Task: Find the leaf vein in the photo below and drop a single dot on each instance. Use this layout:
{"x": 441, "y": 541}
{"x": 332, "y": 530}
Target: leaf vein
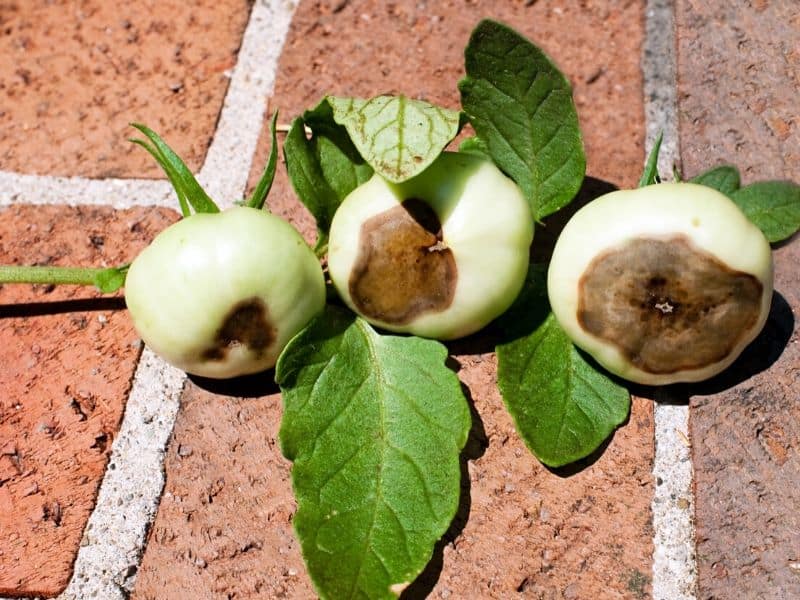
{"x": 321, "y": 433}
{"x": 336, "y": 470}
{"x": 420, "y": 475}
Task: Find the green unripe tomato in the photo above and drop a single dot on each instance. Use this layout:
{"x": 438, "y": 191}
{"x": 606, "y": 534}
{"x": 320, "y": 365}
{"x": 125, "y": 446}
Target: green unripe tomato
{"x": 667, "y": 283}
{"x": 220, "y": 295}
{"x": 440, "y": 255}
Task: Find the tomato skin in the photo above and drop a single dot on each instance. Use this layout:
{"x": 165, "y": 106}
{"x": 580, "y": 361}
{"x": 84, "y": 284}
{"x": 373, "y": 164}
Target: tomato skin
{"x": 694, "y": 216}
{"x": 485, "y": 222}
{"x": 220, "y": 295}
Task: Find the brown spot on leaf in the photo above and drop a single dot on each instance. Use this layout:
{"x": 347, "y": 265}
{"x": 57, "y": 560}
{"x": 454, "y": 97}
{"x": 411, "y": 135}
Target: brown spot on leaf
{"x": 247, "y": 324}
{"x": 667, "y": 305}
{"x": 403, "y": 268}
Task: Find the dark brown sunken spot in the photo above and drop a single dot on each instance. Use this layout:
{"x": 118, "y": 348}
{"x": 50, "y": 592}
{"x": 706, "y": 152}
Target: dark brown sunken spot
{"x": 668, "y": 305}
{"x": 403, "y": 269}
{"x": 246, "y": 325}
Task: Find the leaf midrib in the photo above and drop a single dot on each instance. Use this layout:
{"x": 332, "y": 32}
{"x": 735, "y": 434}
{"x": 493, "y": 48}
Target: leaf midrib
{"x": 376, "y": 372}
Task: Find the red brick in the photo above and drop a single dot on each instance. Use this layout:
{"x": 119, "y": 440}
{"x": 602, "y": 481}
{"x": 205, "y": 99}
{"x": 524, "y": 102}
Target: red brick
{"x": 739, "y": 69}
{"x": 224, "y": 523}
{"x": 73, "y": 75}
{"x": 67, "y": 357}
{"x": 738, "y": 74}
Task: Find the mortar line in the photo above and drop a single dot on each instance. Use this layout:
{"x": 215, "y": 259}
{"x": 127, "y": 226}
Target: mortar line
{"x": 18, "y": 188}
{"x": 236, "y": 135}
{"x": 674, "y": 554}
{"x": 112, "y": 542}
{"x": 243, "y": 111}
{"x": 114, "y": 539}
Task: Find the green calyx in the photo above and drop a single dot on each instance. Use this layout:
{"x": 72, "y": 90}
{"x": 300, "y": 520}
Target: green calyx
{"x": 189, "y": 191}
{"x": 191, "y": 195}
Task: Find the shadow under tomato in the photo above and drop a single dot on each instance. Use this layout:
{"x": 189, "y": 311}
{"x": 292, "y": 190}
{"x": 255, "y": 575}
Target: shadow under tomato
{"x": 245, "y": 386}
{"x": 477, "y": 443}
{"x": 481, "y": 342}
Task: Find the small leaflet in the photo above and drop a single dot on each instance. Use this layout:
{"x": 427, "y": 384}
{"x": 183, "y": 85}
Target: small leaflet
{"x": 564, "y": 406}
{"x": 397, "y": 136}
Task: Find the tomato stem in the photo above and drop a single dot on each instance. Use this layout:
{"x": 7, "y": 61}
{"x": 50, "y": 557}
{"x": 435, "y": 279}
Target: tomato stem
{"x": 105, "y": 279}
{"x": 188, "y": 190}
{"x": 44, "y": 274}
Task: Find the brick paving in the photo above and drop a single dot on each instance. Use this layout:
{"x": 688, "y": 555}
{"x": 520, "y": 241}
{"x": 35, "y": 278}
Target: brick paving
{"x": 67, "y": 361}
{"x": 224, "y": 524}
{"x": 745, "y": 431}
{"x": 73, "y": 75}
{"x": 223, "y": 527}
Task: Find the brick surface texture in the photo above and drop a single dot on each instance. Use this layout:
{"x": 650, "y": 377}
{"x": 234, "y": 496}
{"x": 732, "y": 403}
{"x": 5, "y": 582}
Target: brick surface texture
{"x": 739, "y": 71}
{"x": 74, "y": 74}
{"x": 67, "y": 357}
{"x": 224, "y": 523}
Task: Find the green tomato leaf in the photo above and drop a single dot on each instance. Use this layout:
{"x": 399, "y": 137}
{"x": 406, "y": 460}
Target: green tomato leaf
{"x": 374, "y": 425}
{"x": 397, "y": 136}
{"x": 110, "y": 280}
{"x": 650, "y": 175}
{"x": 773, "y": 206}
{"x": 724, "y": 179}
{"x": 344, "y": 167}
{"x": 563, "y": 406}
{"x": 521, "y": 105}
{"x": 324, "y": 168}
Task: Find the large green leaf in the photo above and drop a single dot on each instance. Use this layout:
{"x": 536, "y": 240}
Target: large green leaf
{"x": 397, "y": 136}
{"x": 521, "y": 106}
{"x": 774, "y": 206}
{"x": 724, "y": 179}
{"x": 374, "y": 425}
{"x": 325, "y": 168}
{"x": 563, "y": 406}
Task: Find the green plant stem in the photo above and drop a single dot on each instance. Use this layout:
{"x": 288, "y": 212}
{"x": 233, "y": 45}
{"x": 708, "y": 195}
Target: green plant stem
{"x": 54, "y": 275}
